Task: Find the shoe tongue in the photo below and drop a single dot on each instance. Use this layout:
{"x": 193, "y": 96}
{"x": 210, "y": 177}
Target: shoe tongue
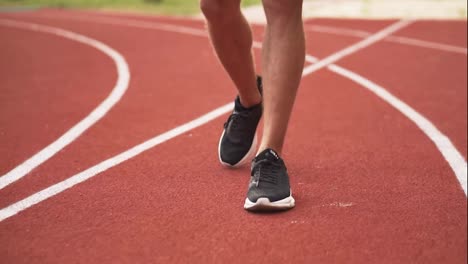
{"x": 268, "y": 154}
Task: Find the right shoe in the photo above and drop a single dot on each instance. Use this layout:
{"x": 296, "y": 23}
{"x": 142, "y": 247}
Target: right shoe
{"x": 269, "y": 188}
{"x": 238, "y": 141}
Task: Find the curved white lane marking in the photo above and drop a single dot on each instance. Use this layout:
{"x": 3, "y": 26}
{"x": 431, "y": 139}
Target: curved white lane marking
{"x": 396, "y": 39}
{"x": 444, "y": 145}
{"x": 53, "y": 190}
{"x": 121, "y": 85}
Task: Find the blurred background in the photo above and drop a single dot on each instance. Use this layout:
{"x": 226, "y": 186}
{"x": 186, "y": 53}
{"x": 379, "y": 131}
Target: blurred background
{"x": 422, "y": 9}
{"x": 169, "y": 7}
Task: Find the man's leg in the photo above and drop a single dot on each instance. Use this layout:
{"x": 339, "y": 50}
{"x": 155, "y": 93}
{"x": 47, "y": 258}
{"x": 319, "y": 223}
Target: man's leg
{"x": 283, "y": 61}
{"x": 232, "y": 41}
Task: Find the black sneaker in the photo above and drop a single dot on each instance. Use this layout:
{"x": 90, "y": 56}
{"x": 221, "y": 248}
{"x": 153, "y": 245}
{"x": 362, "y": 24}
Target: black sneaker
{"x": 269, "y": 187}
{"x": 238, "y": 142}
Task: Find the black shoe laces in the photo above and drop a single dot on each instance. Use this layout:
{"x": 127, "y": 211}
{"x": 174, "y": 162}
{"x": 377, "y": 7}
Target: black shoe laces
{"x": 266, "y": 171}
{"x": 235, "y": 119}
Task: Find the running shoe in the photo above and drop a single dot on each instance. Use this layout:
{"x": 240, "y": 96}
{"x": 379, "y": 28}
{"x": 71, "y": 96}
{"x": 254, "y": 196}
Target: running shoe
{"x": 269, "y": 188}
{"x": 238, "y": 141}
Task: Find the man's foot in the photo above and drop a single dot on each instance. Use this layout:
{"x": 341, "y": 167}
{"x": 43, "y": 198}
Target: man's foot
{"x": 269, "y": 188}
{"x": 238, "y": 142}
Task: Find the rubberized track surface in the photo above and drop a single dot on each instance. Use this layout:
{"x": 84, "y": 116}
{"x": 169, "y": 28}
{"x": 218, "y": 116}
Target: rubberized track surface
{"x": 371, "y": 187}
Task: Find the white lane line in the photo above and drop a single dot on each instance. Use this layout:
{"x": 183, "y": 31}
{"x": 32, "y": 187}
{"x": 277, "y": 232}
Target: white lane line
{"x": 358, "y": 46}
{"x": 371, "y": 39}
{"x": 444, "y": 145}
{"x": 428, "y": 44}
{"x": 109, "y": 163}
{"x": 49, "y": 192}
{"x": 126, "y": 22}
{"x": 121, "y": 85}
{"x": 338, "y": 31}
{"x": 395, "y": 39}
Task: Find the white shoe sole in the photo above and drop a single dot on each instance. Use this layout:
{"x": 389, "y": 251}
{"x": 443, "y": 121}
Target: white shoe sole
{"x": 264, "y": 204}
{"x": 250, "y": 154}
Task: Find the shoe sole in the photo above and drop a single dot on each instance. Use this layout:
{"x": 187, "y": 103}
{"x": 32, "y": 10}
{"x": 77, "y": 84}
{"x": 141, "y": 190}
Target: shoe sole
{"x": 250, "y": 154}
{"x": 264, "y": 204}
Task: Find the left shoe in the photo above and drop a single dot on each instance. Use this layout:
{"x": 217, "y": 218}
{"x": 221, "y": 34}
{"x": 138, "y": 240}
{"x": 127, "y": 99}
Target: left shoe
{"x": 238, "y": 141}
{"x": 269, "y": 188}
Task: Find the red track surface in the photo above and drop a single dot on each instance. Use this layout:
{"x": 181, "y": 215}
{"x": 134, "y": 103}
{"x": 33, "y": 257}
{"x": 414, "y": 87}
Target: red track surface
{"x": 370, "y": 186}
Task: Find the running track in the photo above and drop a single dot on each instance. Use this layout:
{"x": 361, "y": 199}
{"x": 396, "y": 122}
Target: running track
{"x": 371, "y": 186}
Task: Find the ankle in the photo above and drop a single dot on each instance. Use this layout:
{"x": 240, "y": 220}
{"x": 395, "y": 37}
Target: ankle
{"x": 250, "y": 100}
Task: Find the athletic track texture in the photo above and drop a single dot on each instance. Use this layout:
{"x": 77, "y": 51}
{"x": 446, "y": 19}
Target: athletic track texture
{"x": 109, "y": 126}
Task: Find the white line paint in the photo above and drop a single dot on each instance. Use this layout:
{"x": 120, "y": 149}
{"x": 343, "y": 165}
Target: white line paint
{"x": 427, "y": 44}
{"x": 394, "y": 39}
{"x": 444, "y": 145}
{"x": 338, "y": 31}
{"x": 339, "y": 204}
{"x": 109, "y": 163}
{"x": 93, "y": 171}
{"x": 125, "y": 22}
{"x": 358, "y": 46}
{"x": 199, "y": 32}
{"x": 442, "y": 142}
{"x": 121, "y": 85}
{"x": 114, "y": 161}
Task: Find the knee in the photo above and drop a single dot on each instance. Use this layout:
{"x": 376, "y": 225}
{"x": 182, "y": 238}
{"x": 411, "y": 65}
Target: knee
{"x": 282, "y": 9}
{"x": 218, "y": 10}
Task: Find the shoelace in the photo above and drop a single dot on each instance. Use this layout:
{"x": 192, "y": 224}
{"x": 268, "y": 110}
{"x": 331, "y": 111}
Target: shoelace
{"x": 266, "y": 171}
{"x": 234, "y": 119}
